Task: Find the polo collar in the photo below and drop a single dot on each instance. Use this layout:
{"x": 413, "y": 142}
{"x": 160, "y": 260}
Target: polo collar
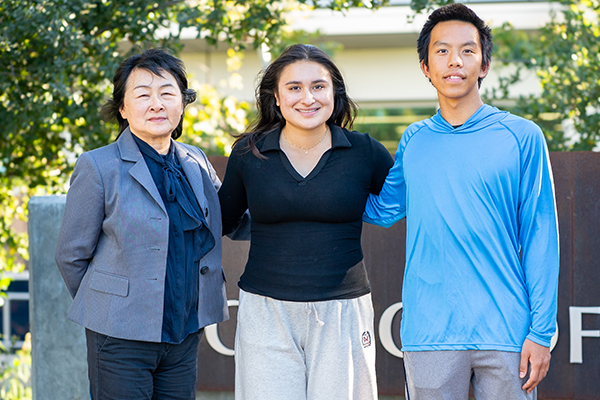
{"x": 271, "y": 140}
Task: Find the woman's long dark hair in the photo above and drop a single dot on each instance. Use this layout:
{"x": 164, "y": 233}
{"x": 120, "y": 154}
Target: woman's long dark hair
{"x": 269, "y": 115}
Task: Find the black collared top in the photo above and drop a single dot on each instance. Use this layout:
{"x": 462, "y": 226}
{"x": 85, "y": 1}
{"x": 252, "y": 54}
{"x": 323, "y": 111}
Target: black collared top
{"x": 190, "y": 239}
{"x": 305, "y": 240}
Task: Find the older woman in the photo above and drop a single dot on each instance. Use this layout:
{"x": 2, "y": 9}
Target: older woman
{"x": 305, "y": 317}
{"x": 139, "y": 246}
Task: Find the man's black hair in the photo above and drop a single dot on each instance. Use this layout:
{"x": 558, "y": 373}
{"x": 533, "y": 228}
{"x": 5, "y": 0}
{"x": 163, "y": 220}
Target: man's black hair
{"x": 455, "y": 12}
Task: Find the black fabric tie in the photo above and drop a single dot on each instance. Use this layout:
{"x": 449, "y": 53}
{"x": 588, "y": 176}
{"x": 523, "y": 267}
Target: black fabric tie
{"x": 179, "y": 190}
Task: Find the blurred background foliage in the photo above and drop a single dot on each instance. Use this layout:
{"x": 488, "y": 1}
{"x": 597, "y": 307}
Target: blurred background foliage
{"x": 15, "y": 372}
{"x": 57, "y": 58}
{"x": 565, "y": 55}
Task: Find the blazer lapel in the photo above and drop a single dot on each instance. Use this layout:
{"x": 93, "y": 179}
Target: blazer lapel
{"x": 139, "y": 171}
{"x": 191, "y": 168}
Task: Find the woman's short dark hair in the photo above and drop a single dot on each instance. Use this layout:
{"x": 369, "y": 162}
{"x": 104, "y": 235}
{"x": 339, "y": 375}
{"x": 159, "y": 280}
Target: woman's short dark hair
{"x": 455, "y": 12}
{"x": 156, "y": 61}
{"x": 269, "y": 115}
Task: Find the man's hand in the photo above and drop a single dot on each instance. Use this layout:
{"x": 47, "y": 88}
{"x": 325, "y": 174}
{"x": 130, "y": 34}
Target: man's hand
{"x": 539, "y": 358}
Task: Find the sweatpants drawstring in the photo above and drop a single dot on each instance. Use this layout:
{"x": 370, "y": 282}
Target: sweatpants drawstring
{"x": 309, "y": 308}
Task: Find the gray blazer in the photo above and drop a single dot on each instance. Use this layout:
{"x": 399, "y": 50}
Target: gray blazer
{"x": 112, "y": 245}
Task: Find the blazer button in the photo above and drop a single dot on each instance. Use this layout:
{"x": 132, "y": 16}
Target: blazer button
{"x": 204, "y": 270}
{"x": 206, "y": 212}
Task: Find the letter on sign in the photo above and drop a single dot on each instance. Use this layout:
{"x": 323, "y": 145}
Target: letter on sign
{"x": 212, "y": 335}
{"x": 385, "y": 330}
{"x": 577, "y": 332}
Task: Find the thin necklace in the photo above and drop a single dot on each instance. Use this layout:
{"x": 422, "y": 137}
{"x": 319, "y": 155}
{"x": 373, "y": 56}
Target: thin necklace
{"x": 306, "y": 149}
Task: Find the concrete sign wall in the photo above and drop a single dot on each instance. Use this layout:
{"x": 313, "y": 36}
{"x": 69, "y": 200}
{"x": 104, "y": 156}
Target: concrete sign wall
{"x": 58, "y": 351}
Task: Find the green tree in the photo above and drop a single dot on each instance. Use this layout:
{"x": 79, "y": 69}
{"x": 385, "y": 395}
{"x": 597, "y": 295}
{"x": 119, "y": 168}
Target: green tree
{"x": 57, "y": 58}
{"x": 565, "y": 54}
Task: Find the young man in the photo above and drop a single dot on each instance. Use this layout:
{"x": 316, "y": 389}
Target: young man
{"x": 475, "y": 183}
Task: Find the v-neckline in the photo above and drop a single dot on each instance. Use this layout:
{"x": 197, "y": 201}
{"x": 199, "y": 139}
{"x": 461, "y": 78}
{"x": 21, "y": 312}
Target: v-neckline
{"x": 295, "y": 174}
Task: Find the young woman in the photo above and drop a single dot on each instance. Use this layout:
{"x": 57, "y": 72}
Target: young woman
{"x": 305, "y": 317}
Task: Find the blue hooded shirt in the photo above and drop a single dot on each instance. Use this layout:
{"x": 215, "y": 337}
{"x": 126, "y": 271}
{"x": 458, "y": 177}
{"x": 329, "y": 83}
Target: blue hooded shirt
{"x": 482, "y": 254}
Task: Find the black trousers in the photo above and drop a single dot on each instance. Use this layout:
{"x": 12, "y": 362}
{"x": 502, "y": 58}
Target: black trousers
{"x": 121, "y": 369}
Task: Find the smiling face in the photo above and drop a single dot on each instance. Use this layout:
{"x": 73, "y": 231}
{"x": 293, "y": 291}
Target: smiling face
{"x": 152, "y": 105}
{"x": 305, "y": 96}
{"x": 454, "y": 66}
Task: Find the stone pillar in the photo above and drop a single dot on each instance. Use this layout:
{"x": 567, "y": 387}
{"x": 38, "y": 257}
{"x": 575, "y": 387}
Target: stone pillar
{"x": 59, "y": 366}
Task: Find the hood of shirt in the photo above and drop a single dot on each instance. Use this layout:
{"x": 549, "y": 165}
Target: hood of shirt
{"x": 481, "y": 119}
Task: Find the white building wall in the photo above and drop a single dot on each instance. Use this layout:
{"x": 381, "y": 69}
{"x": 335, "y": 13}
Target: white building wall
{"x": 379, "y": 60}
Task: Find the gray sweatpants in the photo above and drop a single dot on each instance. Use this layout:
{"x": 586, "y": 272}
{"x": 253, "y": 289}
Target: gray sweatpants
{"x": 288, "y": 350}
{"x": 447, "y": 375}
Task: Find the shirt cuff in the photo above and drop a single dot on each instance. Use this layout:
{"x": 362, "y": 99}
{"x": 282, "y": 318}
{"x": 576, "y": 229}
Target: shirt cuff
{"x": 542, "y": 340}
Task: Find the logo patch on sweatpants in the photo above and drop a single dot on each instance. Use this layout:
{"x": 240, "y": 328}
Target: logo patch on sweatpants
{"x": 366, "y": 339}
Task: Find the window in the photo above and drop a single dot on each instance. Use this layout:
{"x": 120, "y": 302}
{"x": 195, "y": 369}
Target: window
{"x": 388, "y": 124}
{"x": 15, "y": 311}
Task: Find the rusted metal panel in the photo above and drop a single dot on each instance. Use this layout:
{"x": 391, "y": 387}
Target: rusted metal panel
{"x": 586, "y": 267}
{"x": 216, "y": 371}
{"x": 577, "y": 182}
{"x": 384, "y": 251}
{"x": 556, "y": 385}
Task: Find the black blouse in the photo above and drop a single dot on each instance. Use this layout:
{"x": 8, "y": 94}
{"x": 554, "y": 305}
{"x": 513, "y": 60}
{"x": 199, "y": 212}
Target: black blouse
{"x": 190, "y": 239}
{"x": 305, "y": 240}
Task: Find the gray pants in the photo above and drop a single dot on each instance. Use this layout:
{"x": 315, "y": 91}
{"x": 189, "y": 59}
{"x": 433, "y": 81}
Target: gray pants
{"x": 304, "y": 351}
{"x": 447, "y": 375}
